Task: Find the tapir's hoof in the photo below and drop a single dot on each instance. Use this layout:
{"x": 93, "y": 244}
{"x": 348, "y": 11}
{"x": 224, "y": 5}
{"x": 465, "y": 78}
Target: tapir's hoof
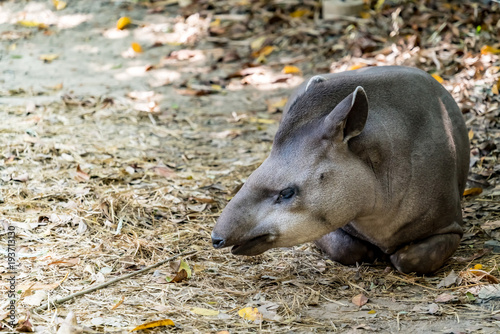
{"x": 426, "y": 256}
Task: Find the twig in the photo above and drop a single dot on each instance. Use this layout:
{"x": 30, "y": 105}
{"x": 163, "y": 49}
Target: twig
{"x": 105, "y": 284}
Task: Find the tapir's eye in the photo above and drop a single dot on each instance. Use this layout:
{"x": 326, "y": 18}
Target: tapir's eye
{"x": 286, "y": 193}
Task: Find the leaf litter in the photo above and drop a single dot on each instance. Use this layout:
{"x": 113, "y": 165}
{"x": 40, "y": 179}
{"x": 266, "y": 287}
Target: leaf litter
{"x": 102, "y": 185}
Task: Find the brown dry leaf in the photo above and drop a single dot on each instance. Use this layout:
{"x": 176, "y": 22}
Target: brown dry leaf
{"x": 359, "y": 300}
{"x": 258, "y": 42}
{"x": 437, "y": 77}
{"x": 22, "y": 178}
{"x": 119, "y": 303}
{"x": 179, "y": 277}
{"x": 25, "y": 325}
{"x": 81, "y": 176}
{"x": 153, "y": 324}
{"x": 193, "y": 92}
{"x": 223, "y": 332}
{"x": 136, "y": 47}
{"x": 483, "y": 274}
{"x": 123, "y": 22}
{"x": 472, "y": 191}
{"x": 39, "y": 286}
{"x": 66, "y": 263}
{"x": 250, "y": 313}
{"x": 289, "y": 69}
{"x": 489, "y": 49}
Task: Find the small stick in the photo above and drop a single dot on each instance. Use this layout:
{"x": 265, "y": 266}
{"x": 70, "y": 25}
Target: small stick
{"x": 105, "y": 284}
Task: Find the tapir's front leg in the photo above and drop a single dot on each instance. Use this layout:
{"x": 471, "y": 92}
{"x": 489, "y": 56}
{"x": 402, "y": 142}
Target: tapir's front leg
{"x": 426, "y": 256}
{"x": 344, "y": 248}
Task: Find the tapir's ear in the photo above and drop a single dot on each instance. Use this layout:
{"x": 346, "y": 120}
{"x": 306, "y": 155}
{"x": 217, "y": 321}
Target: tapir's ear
{"x": 348, "y": 118}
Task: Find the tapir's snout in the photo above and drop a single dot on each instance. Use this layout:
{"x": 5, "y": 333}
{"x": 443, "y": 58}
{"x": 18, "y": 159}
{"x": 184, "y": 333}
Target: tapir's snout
{"x": 217, "y": 241}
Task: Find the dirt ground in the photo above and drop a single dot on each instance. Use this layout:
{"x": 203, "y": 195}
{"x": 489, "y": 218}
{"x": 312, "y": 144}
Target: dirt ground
{"x": 112, "y": 160}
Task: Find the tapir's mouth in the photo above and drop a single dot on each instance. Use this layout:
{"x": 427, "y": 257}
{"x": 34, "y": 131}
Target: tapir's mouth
{"x": 254, "y": 246}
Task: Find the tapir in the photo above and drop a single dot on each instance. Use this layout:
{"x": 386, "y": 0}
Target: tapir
{"x": 370, "y": 163}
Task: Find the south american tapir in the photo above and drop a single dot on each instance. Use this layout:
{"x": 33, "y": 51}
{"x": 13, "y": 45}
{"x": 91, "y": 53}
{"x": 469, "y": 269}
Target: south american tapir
{"x": 370, "y": 163}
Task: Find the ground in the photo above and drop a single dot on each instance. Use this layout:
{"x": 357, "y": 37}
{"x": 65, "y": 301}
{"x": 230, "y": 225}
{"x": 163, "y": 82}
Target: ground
{"x": 116, "y": 156}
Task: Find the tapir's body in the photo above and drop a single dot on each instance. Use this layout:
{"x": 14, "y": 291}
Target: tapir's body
{"x": 365, "y": 162}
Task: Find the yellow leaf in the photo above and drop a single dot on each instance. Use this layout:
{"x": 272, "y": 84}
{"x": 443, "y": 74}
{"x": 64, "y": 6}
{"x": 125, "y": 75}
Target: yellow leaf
{"x": 300, "y": 13}
{"x": 478, "y": 266}
{"x": 250, "y": 313}
{"x": 215, "y": 23}
{"x": 494, "y": 89}
{"x": 123, "y": 22}
{"x": 437, "y": 77}
{"x": 489, "y": 49}
{"x": 216, "y": 87}
{"x": 185, "y": 266}
{"x": 471, "y": 134}
{"x": 158, "y": 323}
{"x": 204, "y": 311}
{"x": 472, "y": 191}
{"x": 356, "y": 67}
{"x": 372, "y": 312}
{"x": 32, "y": 24}
{"x": 136, "y": 47}
{"x": 365, "y": 15}
{"x": 257, "y": 43}
{"x": 60, "y": 5}
{"x": 379, "y": 4}
{"x": 266, "y": 50}
{"x": 291, "y": 69}
{"x": 48, "y": 57}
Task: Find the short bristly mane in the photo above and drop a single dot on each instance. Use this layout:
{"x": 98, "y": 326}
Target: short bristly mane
{"x": 309, "y": 106}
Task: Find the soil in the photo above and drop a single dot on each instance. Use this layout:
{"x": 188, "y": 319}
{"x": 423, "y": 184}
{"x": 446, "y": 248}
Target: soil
{"x": 113, "y": 160}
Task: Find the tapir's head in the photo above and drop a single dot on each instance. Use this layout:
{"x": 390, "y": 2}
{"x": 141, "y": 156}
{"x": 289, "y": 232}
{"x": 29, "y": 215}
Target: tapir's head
{"x": 310, "y": 185}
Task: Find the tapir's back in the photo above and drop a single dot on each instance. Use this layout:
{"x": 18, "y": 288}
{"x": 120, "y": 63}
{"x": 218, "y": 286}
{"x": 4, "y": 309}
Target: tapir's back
{"x": 414, "y": 140}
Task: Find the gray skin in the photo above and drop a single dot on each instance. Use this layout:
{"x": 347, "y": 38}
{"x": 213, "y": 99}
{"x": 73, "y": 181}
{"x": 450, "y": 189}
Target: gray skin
{"x": 369, "y": 163}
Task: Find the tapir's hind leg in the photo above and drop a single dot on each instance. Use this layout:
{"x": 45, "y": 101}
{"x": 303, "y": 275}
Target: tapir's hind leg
{"x": 426, "y": 256}
{"x": 344, "y": 248}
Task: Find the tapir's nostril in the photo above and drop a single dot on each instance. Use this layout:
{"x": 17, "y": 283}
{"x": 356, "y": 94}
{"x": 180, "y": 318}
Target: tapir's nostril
{"x": 217, "y": 241}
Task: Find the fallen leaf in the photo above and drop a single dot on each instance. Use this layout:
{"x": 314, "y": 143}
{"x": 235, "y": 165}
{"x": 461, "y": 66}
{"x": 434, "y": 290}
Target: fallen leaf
{"x": 471, "y": 134}
{"x": 164, "y": 171}
{"x": 444, "y": 298}
{"x": 359, "y": 300}
{"x": 185, "y": 266}
{"x": 25, "y": 325}
{"x": 494, "y": 89}
{"x": 356, "y": 67}
{"x": 32, "y": 24}
{"x": 204, "y": 311}
{"x": 22, "y": 178}
{"x": 179, "y": 277}
{"x": 289, "y": 69}
{"x": 47, "y": 58}
{"x": 265, "y": 51}
{"x": 119, "y": 303}
{"x": 59, "y": 5}
{"x": 66, "y": 263}
{"x": 300, "y": 13}
{"x": 123, "y": 22}
{"x": 372, "y": 312}
{"x": 257, "y": 43}
{"x": 136, "y": 47}
{"x": 437, "y": 77}
{"x": 433, "y": 308}
{"x": 478, "y": 266}
{"x": 448, "y": 280}
{"x": 483, "y": 274}
{"x": 273, "y": 106}
{"x": 250, "y": 313}
{"x": 489, "y": 49}
{"x": 153, "y": 324}
{"x": 472, "y": 191}
{"x": 81, "y": 176}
